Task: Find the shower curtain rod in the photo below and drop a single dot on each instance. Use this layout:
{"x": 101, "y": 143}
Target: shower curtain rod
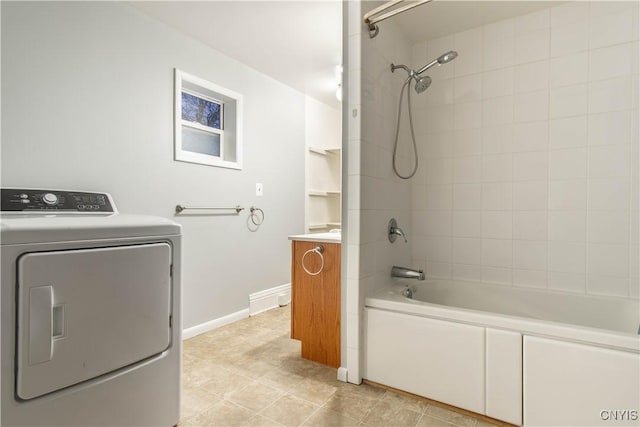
{"x": 377, "y": 15}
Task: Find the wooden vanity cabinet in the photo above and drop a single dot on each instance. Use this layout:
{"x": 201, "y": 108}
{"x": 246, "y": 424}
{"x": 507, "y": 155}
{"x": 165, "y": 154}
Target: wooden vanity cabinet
{"x": 315, "y": 302}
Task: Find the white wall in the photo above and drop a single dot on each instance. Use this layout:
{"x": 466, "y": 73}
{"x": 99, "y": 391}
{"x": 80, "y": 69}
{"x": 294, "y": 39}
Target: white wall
{"x": 530, "y": 139}
{"x": 87, "y": 96}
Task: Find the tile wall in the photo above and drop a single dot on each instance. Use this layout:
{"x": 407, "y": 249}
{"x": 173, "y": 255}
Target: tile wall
{"x": 529, "y": 151}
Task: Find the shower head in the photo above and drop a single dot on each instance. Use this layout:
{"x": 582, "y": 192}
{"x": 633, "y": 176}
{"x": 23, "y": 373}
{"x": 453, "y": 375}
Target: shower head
{"x": 422, "y": 83}
{"x": 442, "y": 59}
{"x": 449, "y": 56}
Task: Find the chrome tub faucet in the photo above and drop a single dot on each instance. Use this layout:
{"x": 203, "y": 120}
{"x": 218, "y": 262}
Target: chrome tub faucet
{"x": 406, "y": 273}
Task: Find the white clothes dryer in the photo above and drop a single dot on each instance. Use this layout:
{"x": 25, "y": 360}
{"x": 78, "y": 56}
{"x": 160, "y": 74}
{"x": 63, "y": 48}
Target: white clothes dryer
{"x": 90, "y": 299}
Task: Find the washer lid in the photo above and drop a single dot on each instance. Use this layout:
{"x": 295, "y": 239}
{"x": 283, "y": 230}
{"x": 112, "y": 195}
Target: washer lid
{"x": 19, "y": 229}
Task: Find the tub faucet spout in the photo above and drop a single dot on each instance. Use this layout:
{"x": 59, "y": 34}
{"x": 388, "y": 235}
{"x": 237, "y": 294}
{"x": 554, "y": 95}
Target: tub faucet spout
{"x": 406, "y": 273}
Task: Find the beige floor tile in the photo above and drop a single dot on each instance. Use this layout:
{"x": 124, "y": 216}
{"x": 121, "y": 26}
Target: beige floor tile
{"x": 196, "y": 400}
{"x": 428, "y": 421}
{"x": 450, "y": 416}
{"x": 314, "y": 391}
{"x": 480, "y": 423}
{"x": 222, "y": 382}
{"x": 289, "y": 410}
{"x": 255, "y": 396}
{"x": 385, "y": 413}
{"x": 280, "y": 379}
{"x": 327, "y": 417}
{"x": 362, "y": 390}
{"x": 406, "y": 402}
{"x": 352, "y": 405}
{"x": 260, "y": 421}
{"x": 222, "y": 414}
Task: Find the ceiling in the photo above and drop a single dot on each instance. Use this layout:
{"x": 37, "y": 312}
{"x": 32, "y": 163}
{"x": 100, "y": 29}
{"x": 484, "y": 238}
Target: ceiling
{"x": 299, "y": 42}
{"x": 296, "y": 42}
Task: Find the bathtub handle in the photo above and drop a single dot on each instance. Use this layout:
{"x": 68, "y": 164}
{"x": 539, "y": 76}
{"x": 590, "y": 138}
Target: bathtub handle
{"x": 318, "y": 250}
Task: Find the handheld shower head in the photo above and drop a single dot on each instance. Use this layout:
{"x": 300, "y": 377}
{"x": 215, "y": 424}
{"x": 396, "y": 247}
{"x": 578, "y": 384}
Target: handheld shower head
{"x": 447, "y": 57}
{"x": 422, "y": 83}
{"x": 442, "y": 59}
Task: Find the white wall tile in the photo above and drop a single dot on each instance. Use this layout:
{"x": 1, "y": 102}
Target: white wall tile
{"x": 438, "y": 270}
{"x": 530, "y": 195}
{"x": 567, "y": 13}
{"x": 567, "y": 257}
{"x": 609, "y": 194}
{"x": 569, "y": 132}
{"x": 609, "y": 62}
{"x": 497, "y": 139}
{"x": 531, "y": 106}
{"x": 531, "y": 76}
{"x": 467, "y": 169}
{"x": 467, "y": 196}
{"x": 609, "y": 161}
{"x": 467, "y": 142}
{"x": 468, "y": 44}
{"x": 497, "y": 111}
{"x": 530, "y": 255}
{"x": 497, "y": 225}
{"x": 567, "y": 226}
{"x": 467, "y": 88}
{"x": 569, "y": 38}
{"x": 530, "y": 166}
{"x": 610, "y": 29}
{"x": 467, "y": 224}
{"x": 497, "y": 83}
{"x": 502, "y": 276}
{"x": 438, "y": 249}
{"x": 530, "y": 225}
{"x": 610, "y": 95}
{"x": 439, "y": 171}
{"x": 439, "y": 197}
{"x": 498, "y": 54}
{"x": 608, "y": 227}
{"x": 610, "y": 128}
{"x": 471, "y": 273}
{"x": 467, "y": 115}
{"x": 532, "y": 21}
{"x": 440, "y": 144}
{"x": 568, "y": 194}
{"x": 532, "y": 46}
{"x": 439, "y": 224}
{"x": 530, "y": 278}
{"x": 568, "y": 101}
{"x": 569, "y": 70}
{"x": 467, "y": 251}
{"x": 497, "y": 167}
{"x": 608, "y": 260}
{"x": 568, "y": 282}
{"x": 497, "y": 196}
{"x": 568, "y": 164}
{"x": 531, "y": 136}
{"x": 497, "y": 253}
{"x": 605, "y": 285}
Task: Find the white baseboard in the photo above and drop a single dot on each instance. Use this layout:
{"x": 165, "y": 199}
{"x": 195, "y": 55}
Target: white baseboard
{"x": 214, "y": 324}
{"x": 342, "y": 374}
{"x": 269, "y": 298}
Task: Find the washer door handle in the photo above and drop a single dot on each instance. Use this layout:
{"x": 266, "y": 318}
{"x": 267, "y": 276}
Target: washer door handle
{"x": 40, "y": 324}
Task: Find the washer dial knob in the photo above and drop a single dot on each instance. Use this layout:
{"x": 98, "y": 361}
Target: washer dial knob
{"x": 50, "y": 198}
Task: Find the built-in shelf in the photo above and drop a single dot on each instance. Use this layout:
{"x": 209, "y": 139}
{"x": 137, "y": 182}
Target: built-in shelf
{"x": 320, "y": 193}
{"x": 325, "y": 151}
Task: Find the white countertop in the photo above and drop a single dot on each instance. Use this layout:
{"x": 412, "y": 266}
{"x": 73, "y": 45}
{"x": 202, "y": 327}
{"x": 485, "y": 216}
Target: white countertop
{"x": 318, "y": 237}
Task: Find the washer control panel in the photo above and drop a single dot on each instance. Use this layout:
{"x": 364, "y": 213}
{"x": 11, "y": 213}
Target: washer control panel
{"x": 30, "y": 200}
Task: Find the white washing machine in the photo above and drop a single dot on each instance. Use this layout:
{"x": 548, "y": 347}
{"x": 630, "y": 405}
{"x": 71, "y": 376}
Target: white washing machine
{"x": 90, "y": 315}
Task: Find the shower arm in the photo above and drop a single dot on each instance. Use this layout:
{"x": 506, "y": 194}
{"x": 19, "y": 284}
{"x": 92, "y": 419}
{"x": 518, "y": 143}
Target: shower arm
{"x": 426, "y": 67}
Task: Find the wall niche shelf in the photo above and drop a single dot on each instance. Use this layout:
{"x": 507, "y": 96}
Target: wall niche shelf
{"x": 320, "y": 193}
{"x": 325, "y": 151}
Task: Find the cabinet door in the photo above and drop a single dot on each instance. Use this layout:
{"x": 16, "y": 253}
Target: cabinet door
{"x": 567, "y": 384}
{"x": 440, "y": 360}
{"x": 315, "y": 302}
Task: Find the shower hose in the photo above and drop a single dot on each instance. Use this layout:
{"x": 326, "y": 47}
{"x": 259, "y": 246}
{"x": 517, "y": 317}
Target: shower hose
{"x": 413, "y": 137}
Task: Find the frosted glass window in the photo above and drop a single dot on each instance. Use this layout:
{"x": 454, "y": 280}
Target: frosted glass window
{"x": 198, "y": 141}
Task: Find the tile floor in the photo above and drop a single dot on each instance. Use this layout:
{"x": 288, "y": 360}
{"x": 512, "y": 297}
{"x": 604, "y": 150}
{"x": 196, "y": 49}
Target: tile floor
{"x": 250, "y": 373}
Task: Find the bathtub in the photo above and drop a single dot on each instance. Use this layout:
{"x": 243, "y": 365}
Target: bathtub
{"x": 518, "y": 355}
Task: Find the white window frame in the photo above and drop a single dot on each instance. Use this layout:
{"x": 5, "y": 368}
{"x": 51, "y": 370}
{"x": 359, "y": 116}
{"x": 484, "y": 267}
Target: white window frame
{"x": 224, "y": 96}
